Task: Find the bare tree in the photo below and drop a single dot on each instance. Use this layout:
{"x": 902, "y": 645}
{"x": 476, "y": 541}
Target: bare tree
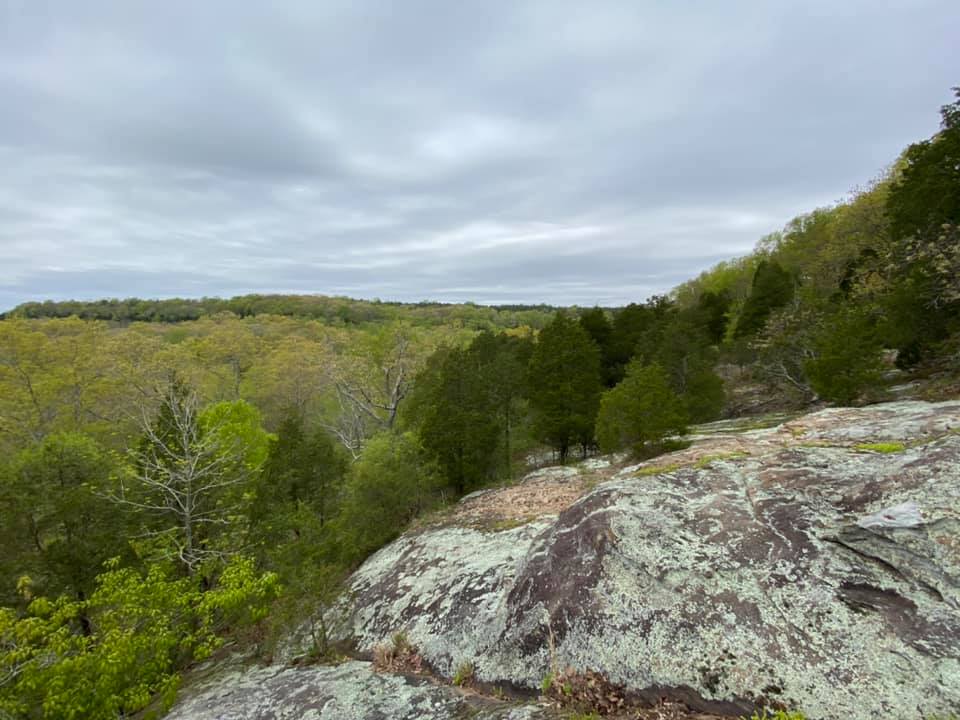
{"x": 183, "y": 472}
{"x": 370, "y": 390}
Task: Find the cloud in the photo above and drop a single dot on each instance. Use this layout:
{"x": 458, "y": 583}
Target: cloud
{"x": 524, "y": 152}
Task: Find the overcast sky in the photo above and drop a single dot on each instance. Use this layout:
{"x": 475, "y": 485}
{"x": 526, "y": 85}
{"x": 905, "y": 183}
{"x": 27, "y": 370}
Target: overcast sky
{"x": 522, "y": 151}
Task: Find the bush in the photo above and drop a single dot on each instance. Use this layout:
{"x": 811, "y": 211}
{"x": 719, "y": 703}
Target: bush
{"x": 142, "y": 630}
{"x": 391, "y": 483}
{"x": 640, "y": 412}
{"x": 847, "y": 358}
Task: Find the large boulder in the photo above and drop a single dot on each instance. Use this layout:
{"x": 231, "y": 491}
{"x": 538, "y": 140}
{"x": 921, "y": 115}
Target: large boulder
{"x": 802, "y": 565}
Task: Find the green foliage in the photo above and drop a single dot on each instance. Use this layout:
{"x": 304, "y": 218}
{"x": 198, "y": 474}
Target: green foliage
{"x": 685, "y": 352}
{"x": 329, "y": 310}
{"x": 302, "y": 470}
{"x": 237, "y": 431}
{"x": 546, "y": 683}
{"x": 773, "y": 287}
{"x": 144, "y": 628}
{"x": 927, "y": 192}
{"x": 393, "y": 481}
{"x": 847, "y": 357}
{"x": 457, "y": 418}
{"x": 565, "y": 385}
{"x": 192, "y": 477}
{"x": 598, "y": 326}
{"x": 56, "y": 526}
{"x": 640, "y": 411}
{"x": 466, "y": 406}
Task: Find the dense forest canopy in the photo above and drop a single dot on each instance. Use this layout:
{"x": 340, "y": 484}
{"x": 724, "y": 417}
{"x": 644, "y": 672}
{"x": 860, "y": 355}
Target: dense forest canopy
{"x": 330, "y": 310}
{"x": 175, "y": 472}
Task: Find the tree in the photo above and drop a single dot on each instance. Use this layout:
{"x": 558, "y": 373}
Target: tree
{"x": 640, "y": 412}
{"x": 926, "y": 194}
{"x": 600, "y": 329}
{"x": 773, "y": 287}
{"x": 503, "y": 360}
{"x": 55, "y": 523}
{"x": 846, "y": 358}
{"x": 687, "y": 356}
{"x": 302, "y": 470}
{"x": 564, "y": 381}
{"x": 457, "y": 419}
{"x": 372, "y": 383}
{"x": 190, "y": 472}
{"x": 388, "y": 486}
{"x": 146, "y": 627}
{"x": 635, "y": 327}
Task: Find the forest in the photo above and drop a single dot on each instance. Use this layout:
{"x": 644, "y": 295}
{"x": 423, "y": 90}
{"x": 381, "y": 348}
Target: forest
{"x": 178, "y": 476}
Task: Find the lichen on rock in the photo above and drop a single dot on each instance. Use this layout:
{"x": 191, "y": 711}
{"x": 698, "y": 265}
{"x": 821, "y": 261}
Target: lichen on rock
{"x": 744, "y": 581}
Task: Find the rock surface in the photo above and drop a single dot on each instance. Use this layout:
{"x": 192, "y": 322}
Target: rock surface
{"x": 351, "y": 691}
{"x": 813, "y": 565}
{"x": 752, "y": 568}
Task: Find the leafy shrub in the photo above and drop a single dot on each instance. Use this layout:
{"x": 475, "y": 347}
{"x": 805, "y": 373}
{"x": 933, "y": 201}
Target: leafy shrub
{"x": 109, "y": 656}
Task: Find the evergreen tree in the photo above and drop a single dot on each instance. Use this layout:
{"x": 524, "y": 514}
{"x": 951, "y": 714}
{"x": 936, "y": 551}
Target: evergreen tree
{"x": 687, "y": 356}
{"x": 927, "y": 192}
{"x": 503, "y": 360}
{"x": 54, "y": 518}
{"x": 458, "y": 420}
{"x": 565, "y": 386}
{"x": 773, "y": 287}
{"x": 847, "y": 357}
{"x": 301, "y": 471}
{"x": 640, "y": 412}
{"x": 600, "y": 329}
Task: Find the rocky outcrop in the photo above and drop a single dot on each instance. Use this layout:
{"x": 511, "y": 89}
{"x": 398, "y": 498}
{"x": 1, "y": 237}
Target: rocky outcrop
{"x": 813, "y": 565}
{"x": 351, "y": 691}
{"x": 806, "y": 565}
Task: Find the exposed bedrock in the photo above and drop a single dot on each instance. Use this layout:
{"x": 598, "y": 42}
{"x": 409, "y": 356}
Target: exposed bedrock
{"x": 811, "y": 572}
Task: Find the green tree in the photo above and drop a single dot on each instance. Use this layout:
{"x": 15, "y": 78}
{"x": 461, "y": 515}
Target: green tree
{"x": 303, "y": 471}
{"x": 686, "y": 354}
{"x": 847, "y": 357}
{"x": 146, "y": 627}
{"x": 600, "y": 329}
{"x": 391, "y": 483}
{"x": 55, "y": 520}
{"x": 926, "y": 194}
{"x": 640, "y": 412}
{"x": 503, "y": 361}
{"x": 773, "y": 287}
{"x": 565, "y": 385}
{"x": 458, "y": 422}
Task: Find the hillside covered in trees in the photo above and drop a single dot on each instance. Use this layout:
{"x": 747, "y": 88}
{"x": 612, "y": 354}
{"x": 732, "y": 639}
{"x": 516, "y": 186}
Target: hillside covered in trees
{"x": 175, "y": 474}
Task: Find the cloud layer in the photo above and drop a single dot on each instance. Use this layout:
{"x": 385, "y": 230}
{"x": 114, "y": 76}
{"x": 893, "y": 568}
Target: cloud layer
{"x": 497, "y": 152}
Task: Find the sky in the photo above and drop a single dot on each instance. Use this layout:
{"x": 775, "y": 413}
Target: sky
{"x": 492, "y": 151}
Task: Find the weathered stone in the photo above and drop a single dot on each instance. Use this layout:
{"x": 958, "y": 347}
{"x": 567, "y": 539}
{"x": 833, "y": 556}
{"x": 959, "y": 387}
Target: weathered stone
{"x": 351, "y": 691}
{"x": 738, "y": 578}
